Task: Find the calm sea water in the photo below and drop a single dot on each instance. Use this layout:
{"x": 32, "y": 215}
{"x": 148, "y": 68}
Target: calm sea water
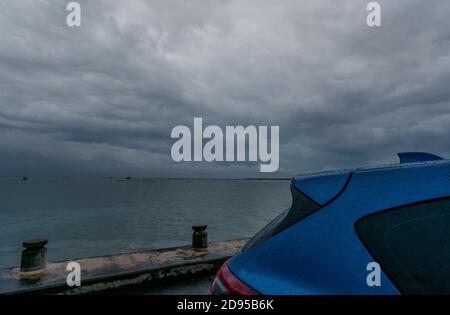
{"x": 91, "y": 217}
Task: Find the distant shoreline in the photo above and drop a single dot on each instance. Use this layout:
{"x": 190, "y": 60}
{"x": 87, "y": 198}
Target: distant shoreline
{"x": 117, "y": 178}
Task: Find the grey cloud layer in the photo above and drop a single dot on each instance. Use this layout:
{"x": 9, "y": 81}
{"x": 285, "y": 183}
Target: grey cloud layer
{"x": 102, "y": 99}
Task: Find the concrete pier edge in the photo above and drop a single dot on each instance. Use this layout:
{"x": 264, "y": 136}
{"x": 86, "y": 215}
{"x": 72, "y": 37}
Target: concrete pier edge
{"x": 127, "y": 270}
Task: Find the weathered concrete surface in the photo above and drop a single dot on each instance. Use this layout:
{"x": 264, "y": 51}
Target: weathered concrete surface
{"x": 125, "y": 270}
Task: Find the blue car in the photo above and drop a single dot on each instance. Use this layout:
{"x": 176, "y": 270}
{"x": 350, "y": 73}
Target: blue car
{"x": 377, "y": 230}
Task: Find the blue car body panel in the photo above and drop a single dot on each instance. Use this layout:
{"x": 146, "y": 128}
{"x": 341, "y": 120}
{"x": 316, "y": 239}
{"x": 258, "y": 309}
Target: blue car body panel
{"x": 322, "y": 253}
{"x": 322, "y": 187}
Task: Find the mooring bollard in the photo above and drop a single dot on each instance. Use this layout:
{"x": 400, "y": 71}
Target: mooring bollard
{"x": 200, "y": 236}
{"x": 34, "y": 256}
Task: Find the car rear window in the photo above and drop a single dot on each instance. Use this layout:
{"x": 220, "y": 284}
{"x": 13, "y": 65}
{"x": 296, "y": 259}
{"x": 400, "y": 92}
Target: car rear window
{"x": 412, "y": 245}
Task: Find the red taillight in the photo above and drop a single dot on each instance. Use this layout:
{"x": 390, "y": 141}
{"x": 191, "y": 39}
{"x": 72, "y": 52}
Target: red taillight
{"x": 227, "y": 283}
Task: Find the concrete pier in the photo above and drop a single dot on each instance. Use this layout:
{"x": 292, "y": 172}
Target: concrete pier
{"x": 122, "y": 271}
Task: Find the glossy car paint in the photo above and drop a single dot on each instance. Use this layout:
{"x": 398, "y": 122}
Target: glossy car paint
{"x": 322, "y": 253}
{"x": 322, "y": 187}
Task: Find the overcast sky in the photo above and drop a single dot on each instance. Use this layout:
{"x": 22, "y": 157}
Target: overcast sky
{"x": 102, "y": 99}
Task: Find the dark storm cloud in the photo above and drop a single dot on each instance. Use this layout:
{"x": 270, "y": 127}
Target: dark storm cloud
{"x": 102, "y": 99}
